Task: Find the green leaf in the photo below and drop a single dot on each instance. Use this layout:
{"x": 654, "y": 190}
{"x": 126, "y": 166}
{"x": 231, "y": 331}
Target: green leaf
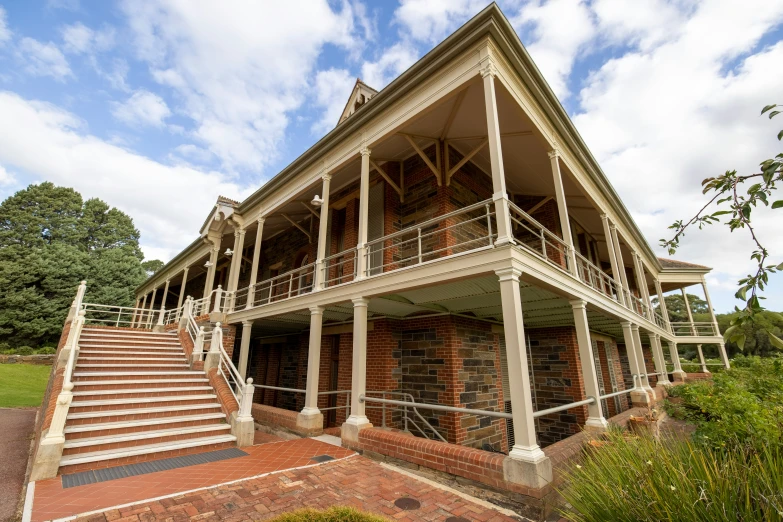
{"x": 768, "y": 108}
{"x": 775, "y": 340}
{"x": 780, "y": 135}
{"x": 778, "y": 204}
{"x": 740, "y": 340}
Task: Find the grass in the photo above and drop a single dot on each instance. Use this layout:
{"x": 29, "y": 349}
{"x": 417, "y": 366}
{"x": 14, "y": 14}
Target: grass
{"x": 333, "y": 514}
{"x": 22, "y": 385}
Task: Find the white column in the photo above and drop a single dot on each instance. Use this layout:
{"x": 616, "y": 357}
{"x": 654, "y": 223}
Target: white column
{"x": 640, "y": 358}
{"x": 314, "y": 361}
{"x": 323, "y": 231}
{"x": 148, "y": 320}
{"x": 660, "y": 361}
{"x": 620, "y": 264}
{"x": 140, "y": 313}
{"x": 358, "y": 418}
{"x": 612, "y": 257}
{"x": 641, "y": 284}
{"x": 525, "y": 444}
{"x": 721, "y": 346}
{"x": 165, "y": 294}
{"x": 244, "y": 348}
{"x": 182, "y": 287}
{"x": 639, "y": 396}
{"x": 135, "y": 312}
{"x": 213, "y": 256}
{"x": 364, "y": 202}
{"x": 251, "y": 293}
{"x": 688, "y": 310}
{"x": 675, "y": 355}
{"x": 502, "y": 214}
{"x": 562, "y": 209}
{"x": 701, "y": 359}
{"x": 595, "y": 416}
{"x": 236, "y": 260}
{"x": 662, "y": 304}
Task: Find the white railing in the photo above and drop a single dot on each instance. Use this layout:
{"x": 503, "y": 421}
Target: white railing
{"x": 117, "y": 316}
{"x": 457, "y": 232}
{"x": 695, "y": 329}
{"x": 340, "y": 268}
{"x": 595, "y": 278}
{"x": 659, "y": 320}
{"x": 298, "y": 281}
{"x": 538, "y": 239}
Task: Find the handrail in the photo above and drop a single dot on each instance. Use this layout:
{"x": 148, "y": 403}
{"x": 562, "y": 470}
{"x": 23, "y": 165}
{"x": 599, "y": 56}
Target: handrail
{"x": 694, "y": 328}
{"x": 604, "y": 278}
{"x": 562, "y": 407}
{"x": 125, "y": 315}
{"x": 406, "y": 395}
{"x": 545, "y": 236}
{"x": 343, "y": 258}
{"x": 306, "y": 271}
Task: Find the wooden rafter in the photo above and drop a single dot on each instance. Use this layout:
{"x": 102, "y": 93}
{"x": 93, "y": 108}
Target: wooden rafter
{"x": 540, "y": 204}
{"x": 453, "y": 113}
{"x": 388, "y": 179}
{"x": 423, "y": 156}
{"x": 465, "y": 159}
{"x": 297, "y": 225}
{"x": 310, "y": 209}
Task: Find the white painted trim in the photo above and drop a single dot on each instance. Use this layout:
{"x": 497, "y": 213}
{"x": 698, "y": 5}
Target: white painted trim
{"x": 27, "y": 511}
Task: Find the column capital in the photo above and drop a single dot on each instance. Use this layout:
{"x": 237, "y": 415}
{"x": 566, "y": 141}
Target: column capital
{"x": 261, "y": 220}
{"x": 508, "y": 274}
{"x": 554, "y": 153}
{"x": 168, "y": 281}
{"x": 365, "y": 151}
{"x": 489, "y": 69}
{"x": 626, "y": 324}
{"x": 578, "y": 303}
{"x": 247, "y": 324}
{"x": 635, "y": 327}
{"x": 612, "y": 226}
{"x": 360, "y": 302}
{"x": 316, "y": 310}
{"x": 327, "y": 176}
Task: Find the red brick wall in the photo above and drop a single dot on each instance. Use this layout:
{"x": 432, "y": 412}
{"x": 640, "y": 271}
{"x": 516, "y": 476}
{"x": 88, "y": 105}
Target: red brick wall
{"x": 611, "y": 404}
{"x": 227, "y": 401}
{"x": 649, "y": 363}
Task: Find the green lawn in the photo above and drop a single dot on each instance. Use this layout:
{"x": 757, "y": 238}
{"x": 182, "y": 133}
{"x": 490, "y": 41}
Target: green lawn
{"x": 22, "y": 385}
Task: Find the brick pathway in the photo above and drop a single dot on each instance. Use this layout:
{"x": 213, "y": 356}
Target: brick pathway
{"x": 53, "y": 501}
{"x": 354, "y": 481}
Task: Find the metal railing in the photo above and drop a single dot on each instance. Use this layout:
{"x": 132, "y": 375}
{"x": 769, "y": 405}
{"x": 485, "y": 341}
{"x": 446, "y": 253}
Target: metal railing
{"x": 538, "y": 239}
{"x": 340, "y": 268}
{"x": 595, "y": 278}
{"x": 298, "y": 281}
{"x": 347, "y": 393}
{"x": 464, "y": 230}
{"x": 687, "y": 329}
{"x": 117, "y": 316}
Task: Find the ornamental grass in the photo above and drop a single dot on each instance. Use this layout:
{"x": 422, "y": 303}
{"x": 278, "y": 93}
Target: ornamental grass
{"x": 332, "y": 514}
{"x": 642, "y": 479}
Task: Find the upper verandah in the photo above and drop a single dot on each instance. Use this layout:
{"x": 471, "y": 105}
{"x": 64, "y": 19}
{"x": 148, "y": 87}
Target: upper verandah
{"x": 420, "y": 102}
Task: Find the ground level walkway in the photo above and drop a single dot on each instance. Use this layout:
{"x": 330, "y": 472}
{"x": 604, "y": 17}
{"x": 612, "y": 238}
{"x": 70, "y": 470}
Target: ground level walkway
{"x": 18, "y": 425}
{"x": 275, "y": 477}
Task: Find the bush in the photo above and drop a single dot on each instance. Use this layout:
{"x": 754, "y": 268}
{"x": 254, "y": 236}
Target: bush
{"x": 694, "y": 366}
{"x": 333, "y": 514}
{"x": 742, "y": 404}
{"x": 640, "y": 479}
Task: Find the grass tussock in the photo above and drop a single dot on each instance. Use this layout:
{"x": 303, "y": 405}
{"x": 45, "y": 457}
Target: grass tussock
{"x": 333, "y": 514}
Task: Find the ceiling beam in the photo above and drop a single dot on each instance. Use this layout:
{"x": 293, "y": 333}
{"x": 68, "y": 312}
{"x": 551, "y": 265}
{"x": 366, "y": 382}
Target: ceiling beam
{"x": 453, "y": 113}
{"x": 450, "y": 172}
{"x": 297, "y": 225}
{"x": 388, "y": 179}
{"x": 423, "y": 156}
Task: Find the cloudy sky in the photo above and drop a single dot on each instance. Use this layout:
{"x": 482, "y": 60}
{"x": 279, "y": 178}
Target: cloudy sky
{"x": 158, "y": 106}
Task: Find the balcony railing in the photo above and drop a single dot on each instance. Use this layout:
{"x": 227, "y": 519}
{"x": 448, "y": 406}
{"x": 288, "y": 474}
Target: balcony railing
{"x": 298, "y": 281}
{"x": 539, "y": 240}
{"x": 694, "y": 329}
{"x": 595, "y": 278}
{"x": 340, "y": 268}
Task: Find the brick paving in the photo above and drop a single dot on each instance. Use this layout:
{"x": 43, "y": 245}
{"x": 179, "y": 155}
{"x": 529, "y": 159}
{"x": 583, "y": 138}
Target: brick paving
{"x": 354, "y": 481}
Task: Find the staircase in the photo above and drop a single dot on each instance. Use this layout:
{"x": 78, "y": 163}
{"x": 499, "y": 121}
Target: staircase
{"x": 135, "y": 399}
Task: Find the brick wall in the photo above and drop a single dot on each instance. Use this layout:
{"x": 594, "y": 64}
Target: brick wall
{"x": 649, "y": 364}
{"x": 557, "y": 380}
{"x": 601, "y": 346}
{"x": 227, "y": 401}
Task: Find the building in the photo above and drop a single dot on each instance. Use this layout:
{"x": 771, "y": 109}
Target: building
{"x": 451, "y": 242}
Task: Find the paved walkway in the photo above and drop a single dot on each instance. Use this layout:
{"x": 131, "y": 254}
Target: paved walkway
{"x": 275, "y": 477}
{"x": 17, "y": 425}
{"x": 354, "y": 481}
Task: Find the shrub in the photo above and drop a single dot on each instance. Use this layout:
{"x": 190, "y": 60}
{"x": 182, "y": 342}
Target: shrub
{"x": 742, "y": 404}
{"x": 333, "y": 514}
{"x": 640, "y": 479}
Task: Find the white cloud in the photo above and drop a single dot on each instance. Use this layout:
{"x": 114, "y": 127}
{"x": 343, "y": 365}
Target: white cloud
{"x": 5, "y": 32}
{"x": 240, "y": 71}
{"x": 6, "y": 178}
{"x": 43, "y": 59}
{"x": 332, "y": 88}
{"x": 142, "y": 108}
{"x": 431, "y": 21}
{"x": 392, "y": 62}
{"x": 164, "y": 201}
{"x": 81, "y": 39}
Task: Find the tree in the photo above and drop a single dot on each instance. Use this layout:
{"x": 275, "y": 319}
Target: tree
{"x": 675, "y": 305}
{"x": 734, "y": 209}
{"x": 152, "y": 266}
{"x": 50, "y": 239}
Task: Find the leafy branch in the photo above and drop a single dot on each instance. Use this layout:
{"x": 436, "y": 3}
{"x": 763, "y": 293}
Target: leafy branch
{"x": 734, "y": 208}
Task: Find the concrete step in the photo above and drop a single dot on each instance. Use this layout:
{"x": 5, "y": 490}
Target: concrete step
{"x": 106, "y": 405}
{"x": 134, "y": 414}
{"x": 103, "y": 359}
{"x": 131, "y": 353}
{"x": 141, "y": 425}
{"x": 130, "y": 440}
{"x": 138, "y": 393}
{"x": 138, "y": 383}
{"x": 130, "y": 365}
{"x": 118, "y": 457}
{"x": 130, "y": 333}
{"x": 92, "y": 376}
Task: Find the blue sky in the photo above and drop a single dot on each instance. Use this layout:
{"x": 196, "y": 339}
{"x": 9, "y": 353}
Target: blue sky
{"x": 158, "y": 106}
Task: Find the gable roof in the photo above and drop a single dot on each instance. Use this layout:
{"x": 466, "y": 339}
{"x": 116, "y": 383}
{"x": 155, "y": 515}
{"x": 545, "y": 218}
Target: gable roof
{"x": 675, "y": 264}
{"x": 361, "y": 94}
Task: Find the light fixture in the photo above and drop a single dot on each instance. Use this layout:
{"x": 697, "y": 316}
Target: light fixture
{"x": 317, "y": 201}
{"x": 208, "y": 263}
{"x": 229, "y": 252}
